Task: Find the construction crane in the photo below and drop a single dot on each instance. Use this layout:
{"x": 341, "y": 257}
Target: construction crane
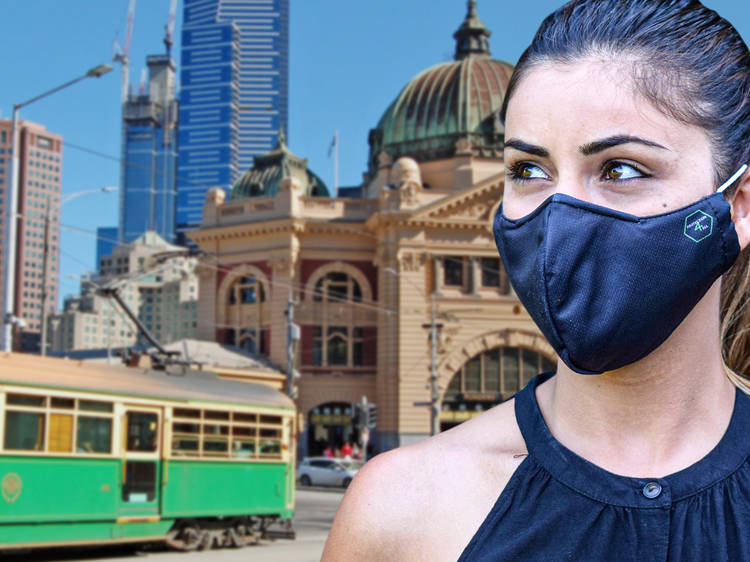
{"x": 169, "y": 28}
{"x": 121, "y": 54}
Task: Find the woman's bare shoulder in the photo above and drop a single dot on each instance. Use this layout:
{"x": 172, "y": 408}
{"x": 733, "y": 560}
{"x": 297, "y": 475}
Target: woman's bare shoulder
{"x": 426, "y": 500}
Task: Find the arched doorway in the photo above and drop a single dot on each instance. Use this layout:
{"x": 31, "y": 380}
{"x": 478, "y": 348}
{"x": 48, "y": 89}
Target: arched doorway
{"x": 487, "y": 379}
{"x": 330, "y": 424}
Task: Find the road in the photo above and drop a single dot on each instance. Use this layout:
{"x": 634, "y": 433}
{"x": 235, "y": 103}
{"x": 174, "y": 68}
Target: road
{"x": 316, "y": 508}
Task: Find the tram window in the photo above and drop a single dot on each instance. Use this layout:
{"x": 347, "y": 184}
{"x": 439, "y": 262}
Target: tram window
{"x": 142, "y": 431}
{"x": 24, "y": 431}
{"x": 271, "y": 419}
{"x": 270, "y": 441}
{"x": 140, "y": 482}
{"x": 210, "y": 429}
{"x": 60, "y": 433}
{"x": 185, "y": 438}
{"x": 94, "y": 435}
{"x": 270, "y": 447}
{"x": 63, "y": 403}
{"x": 187, "y": 428}
{"x": 94, "y": 406}
{"x": 246, "y": 418}
{"x": 25, "y": 400}
{"x": 240, "y": 431}
{"x": 185, "y": 445}
{"x": 243, "y": 448}
{"x": 215, "y": 446}
{"x": 186, "y": 413}
{"x": 214, "y": 415}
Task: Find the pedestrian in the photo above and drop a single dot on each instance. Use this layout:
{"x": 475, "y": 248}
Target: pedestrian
{"x": 623, "y": 229}
{"x": 356, "y": 453}
{"x": 346, "y": 450}
{"x": 327, "y": 452}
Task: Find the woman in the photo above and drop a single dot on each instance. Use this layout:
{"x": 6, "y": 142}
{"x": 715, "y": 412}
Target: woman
{"x": 621, "y": 121}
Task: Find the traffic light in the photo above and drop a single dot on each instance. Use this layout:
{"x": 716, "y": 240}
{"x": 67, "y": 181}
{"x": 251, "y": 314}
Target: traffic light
{"x": 372, "y": 415}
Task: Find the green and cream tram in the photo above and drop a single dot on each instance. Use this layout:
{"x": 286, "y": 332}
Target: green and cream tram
{"x": 95, "y": 454}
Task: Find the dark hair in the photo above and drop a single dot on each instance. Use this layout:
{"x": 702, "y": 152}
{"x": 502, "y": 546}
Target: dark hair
{"x": 686, "y": 60}
{"x": 691, "y": 64}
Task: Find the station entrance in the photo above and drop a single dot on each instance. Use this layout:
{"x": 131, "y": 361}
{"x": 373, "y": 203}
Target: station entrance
{"x": 488, "y": 379}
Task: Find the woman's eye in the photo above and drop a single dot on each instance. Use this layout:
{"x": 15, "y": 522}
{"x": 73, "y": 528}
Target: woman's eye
{"x": 525, "y": 171}
{"x": 619, "y": 171}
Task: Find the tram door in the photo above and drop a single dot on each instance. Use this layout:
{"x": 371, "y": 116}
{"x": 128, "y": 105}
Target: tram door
{"x": 140, "y": 463}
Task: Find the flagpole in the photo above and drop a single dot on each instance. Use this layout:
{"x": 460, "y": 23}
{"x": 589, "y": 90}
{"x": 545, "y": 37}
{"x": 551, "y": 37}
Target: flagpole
{"x": 336, "y": 164}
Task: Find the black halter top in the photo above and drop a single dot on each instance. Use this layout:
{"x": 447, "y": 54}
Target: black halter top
{"x": 559, "y": 506}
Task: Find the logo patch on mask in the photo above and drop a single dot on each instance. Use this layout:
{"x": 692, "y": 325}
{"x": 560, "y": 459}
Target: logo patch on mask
{"x": 699, "y": 226}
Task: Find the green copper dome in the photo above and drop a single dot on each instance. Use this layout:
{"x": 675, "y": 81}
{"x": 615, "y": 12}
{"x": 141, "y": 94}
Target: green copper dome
{"x": 448, "y": 102}
{"x": 264, "y": 178}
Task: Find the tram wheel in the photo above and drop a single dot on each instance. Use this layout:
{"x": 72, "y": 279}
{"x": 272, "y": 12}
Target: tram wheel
{"x": 187, "y": 537}
{"x": 206, "y": 540}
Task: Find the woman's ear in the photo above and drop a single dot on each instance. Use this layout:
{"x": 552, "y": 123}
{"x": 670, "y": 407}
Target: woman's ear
{"x": 741, "y": 210}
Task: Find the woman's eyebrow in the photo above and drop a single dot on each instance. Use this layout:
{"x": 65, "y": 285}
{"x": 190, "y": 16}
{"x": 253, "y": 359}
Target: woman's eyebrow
{"x": 526, "y": 147}
{"x": 600, "y": 145}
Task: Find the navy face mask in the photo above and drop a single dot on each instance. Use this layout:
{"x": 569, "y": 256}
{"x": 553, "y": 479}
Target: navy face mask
{"x": 606, "y": 288}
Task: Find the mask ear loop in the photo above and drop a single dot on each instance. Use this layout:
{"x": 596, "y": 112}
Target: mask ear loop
{"x": 737, "y": 175}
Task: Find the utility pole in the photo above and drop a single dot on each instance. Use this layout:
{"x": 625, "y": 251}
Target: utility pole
{"x": 434, "y": 391}
{"x": 45, "y": 261}
{"x": 292, "y": 336}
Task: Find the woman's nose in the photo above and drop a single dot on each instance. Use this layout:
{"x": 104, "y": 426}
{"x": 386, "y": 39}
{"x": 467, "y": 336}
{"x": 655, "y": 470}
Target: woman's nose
{"x": 572, "y": 186}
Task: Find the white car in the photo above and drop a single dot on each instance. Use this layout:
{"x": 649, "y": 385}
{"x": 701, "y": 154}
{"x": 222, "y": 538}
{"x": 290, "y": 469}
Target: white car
{"x": 324, "y": 471}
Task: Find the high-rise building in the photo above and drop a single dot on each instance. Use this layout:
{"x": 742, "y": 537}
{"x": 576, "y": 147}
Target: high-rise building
{"x": 149, "y": 155}
{"x": 40, "y": 165}
{"x": 234, "y": 94}
{"x": 163, "y": 297}
{"x": 106, "y": 241}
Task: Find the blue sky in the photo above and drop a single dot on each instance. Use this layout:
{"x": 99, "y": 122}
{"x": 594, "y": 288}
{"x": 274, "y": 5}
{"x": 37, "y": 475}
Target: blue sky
{"x": 348, "y": 60}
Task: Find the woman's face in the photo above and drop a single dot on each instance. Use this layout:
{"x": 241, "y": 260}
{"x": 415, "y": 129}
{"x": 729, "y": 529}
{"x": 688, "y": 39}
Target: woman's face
{"x": 581, "y": 129}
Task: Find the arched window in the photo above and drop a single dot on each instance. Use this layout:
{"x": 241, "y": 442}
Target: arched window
{"x": 487, "y": 379}
{"x": 337, "y": 287}
{"x": 501, "y": 371}
{"x": 246, "y": 290}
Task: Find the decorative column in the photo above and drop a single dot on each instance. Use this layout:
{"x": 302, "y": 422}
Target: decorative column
{"x": 475, "y": 275}
{"x": 437, "y": 267}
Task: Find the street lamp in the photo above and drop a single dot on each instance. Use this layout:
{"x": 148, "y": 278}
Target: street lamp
{"x": 434, "y": 326}
{"x": 9, "y": 289}
{"x": 45, "y": 258}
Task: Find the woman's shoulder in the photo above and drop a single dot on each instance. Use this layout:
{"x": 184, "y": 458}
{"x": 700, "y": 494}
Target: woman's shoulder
{"x": 426, "y": 500}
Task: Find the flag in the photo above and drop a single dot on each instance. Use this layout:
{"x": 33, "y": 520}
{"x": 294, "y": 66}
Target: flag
{"x": 334, "y": 143}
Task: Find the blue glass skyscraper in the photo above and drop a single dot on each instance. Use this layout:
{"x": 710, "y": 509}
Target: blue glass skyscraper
{"x": 234, "y": 94}
{"x": 147, "y": 197}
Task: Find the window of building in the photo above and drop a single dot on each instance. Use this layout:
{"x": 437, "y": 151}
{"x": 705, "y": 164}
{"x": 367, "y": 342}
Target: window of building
{"x": 253, "y": 341}
{"x": 337, "y": 287}
{"x": 341, "y": 346}
{"x": 247, "y": 290}
{"x": 493, "y": 275}
{"x": 453, "y": 271}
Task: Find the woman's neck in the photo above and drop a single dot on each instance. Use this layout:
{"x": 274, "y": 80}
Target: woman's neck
{"x": 654, "y": 417}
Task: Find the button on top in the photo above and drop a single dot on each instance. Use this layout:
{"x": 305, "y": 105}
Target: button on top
{"x": 652, "y": 490}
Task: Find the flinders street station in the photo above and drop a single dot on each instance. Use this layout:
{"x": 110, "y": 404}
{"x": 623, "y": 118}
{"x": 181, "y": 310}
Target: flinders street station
{"x": 373, "y": 271}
